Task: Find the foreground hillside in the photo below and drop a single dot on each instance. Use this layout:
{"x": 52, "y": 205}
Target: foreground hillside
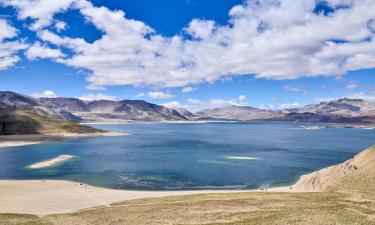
{"x": 23, "y": 121}
{"x": 356, "y": 173}
{"x": 350, "y": 201}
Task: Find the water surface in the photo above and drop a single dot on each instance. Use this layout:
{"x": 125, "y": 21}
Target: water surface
{"x": 159, "y": 156}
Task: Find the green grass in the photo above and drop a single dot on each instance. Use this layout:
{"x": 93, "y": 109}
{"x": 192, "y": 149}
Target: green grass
{"x": 324, "y": 208}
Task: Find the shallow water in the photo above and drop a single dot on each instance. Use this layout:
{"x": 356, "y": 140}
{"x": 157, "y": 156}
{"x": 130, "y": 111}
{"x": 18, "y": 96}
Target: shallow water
{"x": 160, "y": 156}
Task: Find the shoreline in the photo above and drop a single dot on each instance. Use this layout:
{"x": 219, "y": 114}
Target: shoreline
{"x": 33, "y": 139}
{"x": 63, "y": 196}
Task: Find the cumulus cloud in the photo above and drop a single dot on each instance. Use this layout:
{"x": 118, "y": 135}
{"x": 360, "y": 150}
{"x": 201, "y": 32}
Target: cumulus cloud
{"x": 295, "y": 88}
{"x": 38, "y": 50}
{"x": 94, "y": 87}
{"x": 9, "y": 49}
{"x": 188, "y": 89}
{"x": 173, "y": 105}
{"x": 159, "y": 94}
{"x": 289, "y": 105}
{"x": 60, "y": 25}
{"x": 42, "y": 11}
{"x": 367, "y": 96}
{"x": 272, "y": 39}
{"x": 44, "y": 94}
{"x": 140, "y": 95}
{"x": 351, "y": 85}
{"x": 95, "y": 97}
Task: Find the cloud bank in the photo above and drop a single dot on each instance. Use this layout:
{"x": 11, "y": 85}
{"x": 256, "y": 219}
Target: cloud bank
{"x": 271, "y": 39}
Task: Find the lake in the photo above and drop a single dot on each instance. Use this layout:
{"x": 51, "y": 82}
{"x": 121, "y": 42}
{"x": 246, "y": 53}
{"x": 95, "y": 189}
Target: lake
{"x": 161, "y": 156}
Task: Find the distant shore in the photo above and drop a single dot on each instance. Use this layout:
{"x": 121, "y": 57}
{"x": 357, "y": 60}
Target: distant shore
{"x": 32, "y": 139}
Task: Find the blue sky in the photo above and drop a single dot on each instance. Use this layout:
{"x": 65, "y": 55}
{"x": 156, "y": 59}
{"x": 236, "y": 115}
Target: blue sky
{"x": 190, "y": 53}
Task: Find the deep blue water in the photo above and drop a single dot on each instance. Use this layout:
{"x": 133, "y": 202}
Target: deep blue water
{"x": 190, "y": 156}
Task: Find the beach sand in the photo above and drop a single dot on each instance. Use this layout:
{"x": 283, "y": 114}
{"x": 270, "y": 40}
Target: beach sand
{"x": 43, "y": 197}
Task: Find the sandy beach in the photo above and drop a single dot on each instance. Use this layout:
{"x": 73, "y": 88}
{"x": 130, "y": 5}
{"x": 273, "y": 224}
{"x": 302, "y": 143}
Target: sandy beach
{"x": 57, "y": 196}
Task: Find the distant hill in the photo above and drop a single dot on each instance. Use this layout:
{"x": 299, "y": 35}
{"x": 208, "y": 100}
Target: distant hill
{"x": 346, "y": 111}
{"x": 78, "y": 110}
{"x": 241, "y": 113}
{"x": 338, "y": 111}
{"x": 342, "y": 107}
{"x": 128, "y": 110}
{"x": 24, "y": 121}
{"x": 10, "y": 99}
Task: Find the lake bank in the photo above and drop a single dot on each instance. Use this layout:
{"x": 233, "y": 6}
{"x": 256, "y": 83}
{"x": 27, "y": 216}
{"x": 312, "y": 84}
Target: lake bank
{"x": 32, "y": 139}
{"x": 58, "y": 196}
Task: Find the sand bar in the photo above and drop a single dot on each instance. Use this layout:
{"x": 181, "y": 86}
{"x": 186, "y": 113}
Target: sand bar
{"x": 103, "y": 134}
{"x": 242, "y": 158}
{"x": 51, "y": 162}
{"x": 17, "y": 143}
{"x": 22, "y": 140}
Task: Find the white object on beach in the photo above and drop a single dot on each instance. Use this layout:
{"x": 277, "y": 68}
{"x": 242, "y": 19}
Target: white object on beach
{"x": 242, "y": 158}
{"x": 51, "y": 162}
{"x": 17, "y": 143}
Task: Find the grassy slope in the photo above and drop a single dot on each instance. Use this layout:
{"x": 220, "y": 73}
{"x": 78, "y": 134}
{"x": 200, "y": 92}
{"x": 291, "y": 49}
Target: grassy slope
{"x": 22, "y": 121}
{"x": 352, "y": 203}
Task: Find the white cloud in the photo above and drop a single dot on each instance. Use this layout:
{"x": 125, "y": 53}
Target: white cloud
{"x": 351, "y": 85}
{"x": 140, "y": 95}
{"x": 173, "y": 105}
{"x": 44, "y": 94}
{"x": 289, "y": 105}
{"x": 9, "y": 49}
{"x": 159, "y": 94}
{"x": 200, "y": 29}
{"x": 367, "y": 96}
{"x": 42, "y": 11}
{"x": 272, "y": 39}
{"x": 38, "y": 50}
{"x": 188, "y": 89}
{"x": 94, "y": 87}
{"x": 295, "y": 88}
{"x": 60, "y": 25}
{"x": 95, "y": 97}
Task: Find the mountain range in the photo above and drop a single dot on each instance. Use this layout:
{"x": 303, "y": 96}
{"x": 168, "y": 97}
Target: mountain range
{"x": 336, "y": 111}
{"x": 79, "y": 110}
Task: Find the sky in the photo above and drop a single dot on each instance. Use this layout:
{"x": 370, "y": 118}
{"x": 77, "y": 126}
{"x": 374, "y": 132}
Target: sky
{"x": 194, "y": 54}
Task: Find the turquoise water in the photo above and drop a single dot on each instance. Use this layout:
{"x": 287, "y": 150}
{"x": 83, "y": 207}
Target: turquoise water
{"x": 159, "y": 156}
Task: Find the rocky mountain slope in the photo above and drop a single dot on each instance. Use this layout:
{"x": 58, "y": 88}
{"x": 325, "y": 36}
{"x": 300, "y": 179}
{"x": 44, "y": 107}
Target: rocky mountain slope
{"x": 23, "y": 121}
{"x": 356, "y": 173}
{"x": 352, "y": 111}
{"x": 342, "y": 107}
{"x": 241, "y": 113}
{"x": 78, "y": 110}
{"x": 338, "y": 111}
